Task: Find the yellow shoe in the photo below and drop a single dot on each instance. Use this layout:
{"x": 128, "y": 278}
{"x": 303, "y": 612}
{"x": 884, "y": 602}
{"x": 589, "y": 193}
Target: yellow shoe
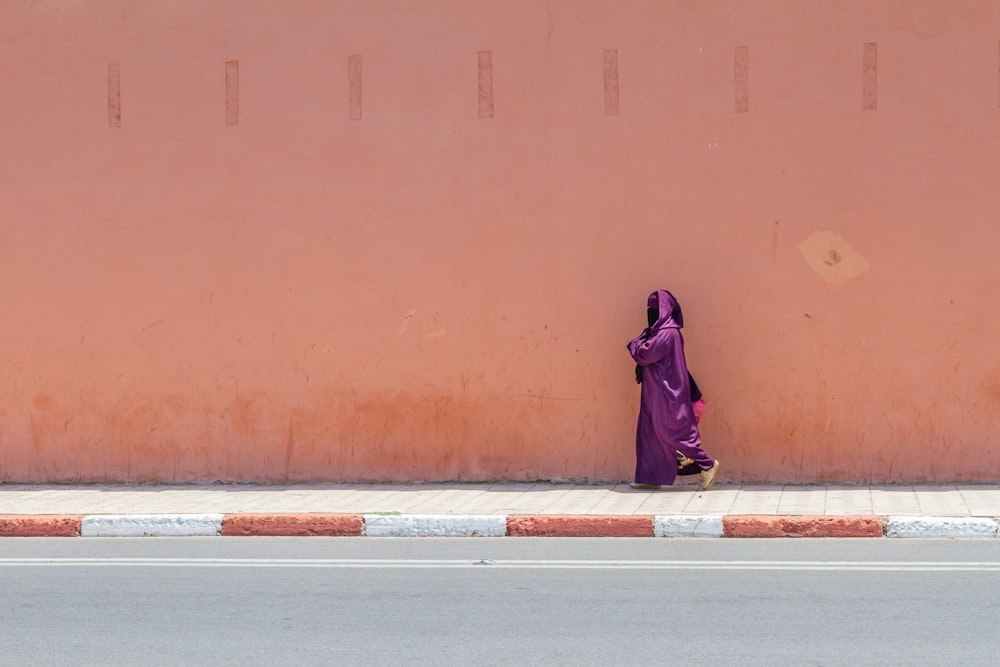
{"x": 708, "y": 476}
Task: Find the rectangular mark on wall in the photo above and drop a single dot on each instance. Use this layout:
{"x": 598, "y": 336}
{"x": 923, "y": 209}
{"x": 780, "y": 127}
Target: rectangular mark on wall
{"x": 611, "y": 98}
{"x": 354, "y": 86}
{"x": 114, "y": 95}
{"x": 232, "y": 92}
{"x": 741, "y": 79}
{"x": 869, "y": 91}
{"x": 486, "y": 84}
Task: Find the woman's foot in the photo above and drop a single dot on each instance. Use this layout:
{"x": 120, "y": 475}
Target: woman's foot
{"x": 637, "y": 485}
{"x": 708, "y": 476}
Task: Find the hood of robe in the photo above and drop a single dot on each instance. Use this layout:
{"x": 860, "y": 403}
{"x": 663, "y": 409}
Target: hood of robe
{"x": 666, "y": 305}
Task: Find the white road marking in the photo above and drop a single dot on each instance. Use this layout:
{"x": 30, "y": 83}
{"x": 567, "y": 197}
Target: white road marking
{"x": 335, "y": 563}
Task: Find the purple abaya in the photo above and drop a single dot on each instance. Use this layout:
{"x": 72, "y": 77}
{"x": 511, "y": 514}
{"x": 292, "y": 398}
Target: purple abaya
{"x": 666, "y": 418}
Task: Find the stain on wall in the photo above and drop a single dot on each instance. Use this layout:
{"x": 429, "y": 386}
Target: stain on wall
{"x": 232, "y": 92}
{"x": 741, "y": 76}
{"x": 611, "y": 99}
{"x": 869, "y": 91}
{"x": 114, "y": 95}
{"x": 832, "y": 258}
{"x": 485, "y": 84}
{"x": 354, "y": 65}
{"x": 413, "y": 293}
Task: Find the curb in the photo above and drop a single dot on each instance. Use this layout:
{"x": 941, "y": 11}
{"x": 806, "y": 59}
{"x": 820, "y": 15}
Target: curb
{"x": 554, "y": 525}
{"x": 293, "y": 525}
{"x": 689, "y": 526}
{"x": 434, "y": 525}
{"x": 921, "y": 526}
{"x": 39, "y": 525}
{"x": 452, "y": 525}
{"x": 803, "y": 526}
{"x": 151, "y": 525}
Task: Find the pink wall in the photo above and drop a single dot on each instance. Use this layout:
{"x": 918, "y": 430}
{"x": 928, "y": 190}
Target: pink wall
{"x": 424, "y": 262}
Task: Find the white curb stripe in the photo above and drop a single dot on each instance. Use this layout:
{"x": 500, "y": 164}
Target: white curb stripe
{"x": 441, "y": 525}
{"x": 151, "y": 525}
{"x": 940, "y": 526}
{"x": 687, "y": 526}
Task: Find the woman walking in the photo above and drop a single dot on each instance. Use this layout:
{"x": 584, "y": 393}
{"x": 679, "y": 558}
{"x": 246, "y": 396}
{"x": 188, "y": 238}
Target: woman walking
{"x": 667, "y": 430}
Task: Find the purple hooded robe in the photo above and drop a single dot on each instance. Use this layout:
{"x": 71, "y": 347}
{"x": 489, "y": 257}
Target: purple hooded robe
{"x": 666, "y": 419}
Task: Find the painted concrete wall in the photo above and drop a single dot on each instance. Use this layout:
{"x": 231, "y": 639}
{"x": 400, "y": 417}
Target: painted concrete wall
{"x": 372, "y": 240}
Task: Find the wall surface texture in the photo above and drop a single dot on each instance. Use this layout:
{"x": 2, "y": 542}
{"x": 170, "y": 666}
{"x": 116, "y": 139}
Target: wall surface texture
{"x": 408, "y": 240}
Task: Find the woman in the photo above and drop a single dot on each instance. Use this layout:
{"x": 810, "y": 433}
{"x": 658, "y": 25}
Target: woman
{"x": 668, "y": 430}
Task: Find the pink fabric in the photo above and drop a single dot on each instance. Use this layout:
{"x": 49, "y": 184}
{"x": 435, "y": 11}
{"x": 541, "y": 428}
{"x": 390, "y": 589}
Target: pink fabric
{"x": 699, "y": 409}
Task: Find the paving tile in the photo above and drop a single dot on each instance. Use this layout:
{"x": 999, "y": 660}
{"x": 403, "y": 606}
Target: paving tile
{"x": 718, "y": 500}
{"x": 982, "y": 500}
{"x": 442, "y": 502}
{"x": 849, "y": 500}
{"x": 533, "y": 504}
{"x": 579, "y": 500}
{"x": 317, "y": 501}
{"x": 808, "y": 500}
{"x": 382, "y": 501}
{"x": 241, "y": 502}
{"x": 941, "y": 501}
{"x": 664, "y": 501}
{"x": 366, "y": 496}
{"x": 619, "y": 503}
{"x": 488, "y": 503}
{"x": 498, "y": 497}
{"x": 894, "y": 500}
{"x": 757, "y": 500}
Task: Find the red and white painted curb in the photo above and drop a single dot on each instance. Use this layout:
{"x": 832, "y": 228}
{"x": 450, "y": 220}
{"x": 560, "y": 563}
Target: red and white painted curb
{"x": 450, "y": 525}
{"x": 925, "y": 526}
{"x": 151, "y": 525}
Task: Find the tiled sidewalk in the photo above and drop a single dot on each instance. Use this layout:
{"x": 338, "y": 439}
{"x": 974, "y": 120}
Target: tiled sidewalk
{"x": 541, "y": 498}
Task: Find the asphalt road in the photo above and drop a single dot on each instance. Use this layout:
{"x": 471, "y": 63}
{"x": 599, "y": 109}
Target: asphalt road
{"x": 498, "y": 601}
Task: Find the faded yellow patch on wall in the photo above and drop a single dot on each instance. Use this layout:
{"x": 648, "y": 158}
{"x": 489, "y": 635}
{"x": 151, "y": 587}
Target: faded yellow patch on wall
{"x": 833, "y": 258}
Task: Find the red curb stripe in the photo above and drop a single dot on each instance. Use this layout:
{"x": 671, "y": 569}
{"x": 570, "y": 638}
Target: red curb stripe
{"x": 579, "y": 526}
{"x": 802, "y": 526}
{"x": 12, "y": 525}
{"x": 293, "y": 525}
